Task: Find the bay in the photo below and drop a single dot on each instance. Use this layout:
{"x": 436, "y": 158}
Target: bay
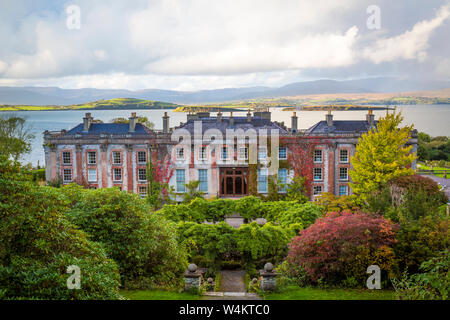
{"x": 432, "y": 119}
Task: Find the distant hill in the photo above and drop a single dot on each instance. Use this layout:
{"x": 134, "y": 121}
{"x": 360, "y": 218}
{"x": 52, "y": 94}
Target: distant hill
{"x": 58, "y": 96}
{"x": 111, "y": 104}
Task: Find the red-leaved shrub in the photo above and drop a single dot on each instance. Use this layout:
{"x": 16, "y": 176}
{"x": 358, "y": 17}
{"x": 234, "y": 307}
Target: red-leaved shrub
{"x": 340, "y": 246}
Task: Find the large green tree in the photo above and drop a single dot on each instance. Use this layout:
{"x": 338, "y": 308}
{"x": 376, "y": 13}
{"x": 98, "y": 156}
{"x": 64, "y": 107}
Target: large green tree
{"x": 15, "y": 138}
{"x": 381, "y": 155}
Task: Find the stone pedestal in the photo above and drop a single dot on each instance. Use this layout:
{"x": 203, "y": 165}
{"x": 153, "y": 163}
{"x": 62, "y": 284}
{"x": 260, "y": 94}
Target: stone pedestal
{"x": 192, "y": 278}
{"x": 268, "y": 278}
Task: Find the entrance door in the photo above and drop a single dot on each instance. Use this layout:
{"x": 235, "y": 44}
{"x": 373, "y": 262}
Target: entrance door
{"x": 233, "y": 182}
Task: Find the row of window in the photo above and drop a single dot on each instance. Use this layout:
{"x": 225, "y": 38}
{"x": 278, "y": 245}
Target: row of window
{"x": 343, "y": 190}
{"x": 92, "y": 175}
{"x": 202, "y": 177}
{"x": 242, "y": 153}
{"x": 92, "y": 157}
{"x": 318, "y": 174}
{"x": 318, "y": 156}
{"x": 263, "y": 180}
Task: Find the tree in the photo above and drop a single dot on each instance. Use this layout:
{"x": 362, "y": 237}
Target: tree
{"x": 38, "y": 243}
{"x": 141, "y": 242}
{"x": 159, "y": 173}
{"x": 339, "y": 247}
{"x": 301, "y": 158}
{"x": 143, "y": 120}
{"x": 192, "y": 191}
{"x": 15, "y": 138}
{"x": 381, "y": 155}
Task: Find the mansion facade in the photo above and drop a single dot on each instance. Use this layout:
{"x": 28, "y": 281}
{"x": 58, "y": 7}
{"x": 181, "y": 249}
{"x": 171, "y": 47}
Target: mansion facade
{"x": 102, "y": 155}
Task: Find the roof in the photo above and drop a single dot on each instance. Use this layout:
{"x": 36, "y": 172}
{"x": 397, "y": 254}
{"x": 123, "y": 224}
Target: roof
{"x": 109, "y": 128}
{"x": 256, "y": 123}
{"x": 340, "y": 126}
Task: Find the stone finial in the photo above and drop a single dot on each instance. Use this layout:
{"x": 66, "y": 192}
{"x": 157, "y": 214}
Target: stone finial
{"x": 192, "y": 267}
{"x": 268, "y": 267}
{"x": 268, "y": 278}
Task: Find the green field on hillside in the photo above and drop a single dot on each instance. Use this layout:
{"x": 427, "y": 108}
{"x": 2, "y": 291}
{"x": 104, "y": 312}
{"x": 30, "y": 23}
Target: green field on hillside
{"x": 111, "y": 104}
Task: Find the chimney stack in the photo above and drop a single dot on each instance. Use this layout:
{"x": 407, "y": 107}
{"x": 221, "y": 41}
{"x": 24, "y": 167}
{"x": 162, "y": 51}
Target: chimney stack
{"x": 294, "y": 122}
{"x": 231, "y": 118}
{"x": 132, "y": 123}
{"x": 370, "y": 118}
{"x": 219, "y": 117}
{"x": 249, "y": 116}
{"x": 87, "y": 121}
{"x": 165, "y": 123}
{"x": 329, "y": 118}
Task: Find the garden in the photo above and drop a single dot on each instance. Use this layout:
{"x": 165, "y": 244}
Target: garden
{"x": 321, "y": 249}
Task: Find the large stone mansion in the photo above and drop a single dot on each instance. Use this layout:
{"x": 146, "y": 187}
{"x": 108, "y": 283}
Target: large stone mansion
{"x": 101, "y": 155}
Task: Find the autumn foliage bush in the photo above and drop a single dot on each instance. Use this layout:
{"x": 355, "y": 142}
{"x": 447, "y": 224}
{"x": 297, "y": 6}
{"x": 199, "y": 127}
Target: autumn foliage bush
{"x": 338, "y": 248}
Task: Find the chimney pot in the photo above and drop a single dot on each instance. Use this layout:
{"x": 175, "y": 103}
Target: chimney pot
{"x": 294, "y": 122}
{"x": 87, "y": 121}
{"x": 165, "y": 123}
{"x": 249, "y": 116}
{"x": 132, "y": 123}
{"x": 231, "y": 118}
{"x": 329, "y": 118}
{"x": 370, "y": 118}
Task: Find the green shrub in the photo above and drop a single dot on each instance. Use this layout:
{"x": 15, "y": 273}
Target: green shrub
{"x": 249, "y": 207}
{"x": 419, "y": 241}
{"x": 38, "y": 243}
{"x": 142, "y": 243}
{"x": 432, "y": 284}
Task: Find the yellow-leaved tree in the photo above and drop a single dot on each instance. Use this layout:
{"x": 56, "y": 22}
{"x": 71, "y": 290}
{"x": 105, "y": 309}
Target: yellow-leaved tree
{"x": 381, "y": 155}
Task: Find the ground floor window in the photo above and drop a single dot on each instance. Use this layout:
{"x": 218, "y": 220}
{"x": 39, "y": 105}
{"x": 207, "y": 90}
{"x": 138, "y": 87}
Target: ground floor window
{"x": 317, "y": 190}
{"x": 92, "y": 175}
{"x": 262, "y": 180}
{"x": 203, "y": 178}
{"x": 142, "y": 191}
{"x": 181, "y": 180}
{"x": 67, "y": 174}
{"x": 282, "y": 179}
{"x": 343, "y": 190}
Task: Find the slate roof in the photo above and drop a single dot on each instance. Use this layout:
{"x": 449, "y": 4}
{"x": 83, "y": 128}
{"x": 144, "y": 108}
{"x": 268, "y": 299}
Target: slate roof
{"x": 340, "y": 126}
{"x": 109, "y": 128}
{"x": 257, "y": 123}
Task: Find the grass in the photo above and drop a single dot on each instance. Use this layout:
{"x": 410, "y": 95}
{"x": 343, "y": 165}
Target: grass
{"x": 299, "y": 293}
{"x": 157, "y": 295}
{"x": 440, "y": 169}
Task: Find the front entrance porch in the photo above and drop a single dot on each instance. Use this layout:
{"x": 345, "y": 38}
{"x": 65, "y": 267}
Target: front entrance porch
{"x": 233, "y": 182}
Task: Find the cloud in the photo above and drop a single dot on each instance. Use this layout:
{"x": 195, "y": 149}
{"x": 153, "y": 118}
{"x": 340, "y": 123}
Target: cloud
{"x": 412, "y": 44}
{"x": 196, "y": 44}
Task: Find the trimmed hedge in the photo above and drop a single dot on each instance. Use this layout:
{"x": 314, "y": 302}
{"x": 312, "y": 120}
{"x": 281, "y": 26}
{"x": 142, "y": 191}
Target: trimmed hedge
{"x": 288, "y": 214}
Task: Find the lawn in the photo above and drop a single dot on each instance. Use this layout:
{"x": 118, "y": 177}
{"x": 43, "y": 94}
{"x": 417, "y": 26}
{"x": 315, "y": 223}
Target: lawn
{"x": 439, "y": 169}
{"x": 157, "y": 295}
{"x": 298, "y": 293}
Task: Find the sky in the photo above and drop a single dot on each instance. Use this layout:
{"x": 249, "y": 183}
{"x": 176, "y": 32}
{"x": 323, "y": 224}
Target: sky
{"x": 209, "y": 44}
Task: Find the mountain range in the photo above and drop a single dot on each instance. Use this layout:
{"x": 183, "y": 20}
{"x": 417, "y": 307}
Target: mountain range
{"x": 59, "y": 96}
